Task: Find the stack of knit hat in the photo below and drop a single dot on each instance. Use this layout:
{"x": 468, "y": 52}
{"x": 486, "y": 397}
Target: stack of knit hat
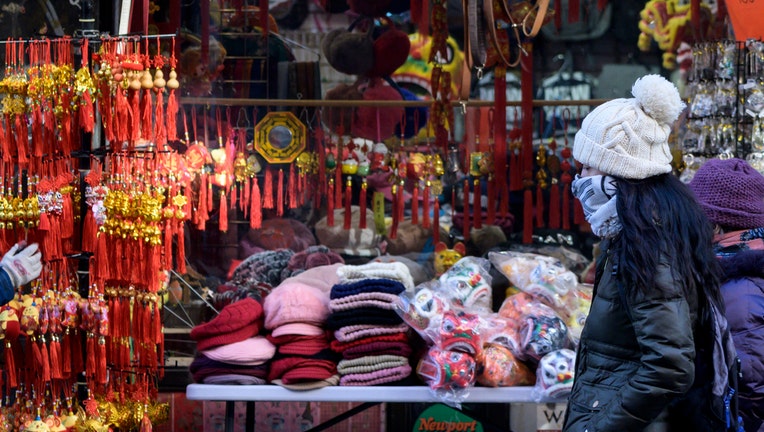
{"x": 229, "y": 347}
{"x": 295, "y": 313}
{"x": 369, "y": 334}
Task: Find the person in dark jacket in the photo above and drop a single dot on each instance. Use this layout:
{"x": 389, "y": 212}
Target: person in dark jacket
{"x": 731, "y": 193}
{"x": 21, "y": 265}
{"x": 636, "y": 355}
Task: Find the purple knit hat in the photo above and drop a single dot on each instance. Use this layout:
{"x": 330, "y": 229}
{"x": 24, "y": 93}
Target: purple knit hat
{"x": 731, "y": 193}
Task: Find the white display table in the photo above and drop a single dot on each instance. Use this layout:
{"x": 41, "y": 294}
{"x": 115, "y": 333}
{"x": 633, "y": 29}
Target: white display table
{"x": 369, "y": 396}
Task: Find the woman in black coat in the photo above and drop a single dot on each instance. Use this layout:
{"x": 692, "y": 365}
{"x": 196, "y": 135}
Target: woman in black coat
{"x": 656, "y": 271}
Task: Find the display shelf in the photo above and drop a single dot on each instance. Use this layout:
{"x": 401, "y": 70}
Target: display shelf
{"x": 397, "y": 394}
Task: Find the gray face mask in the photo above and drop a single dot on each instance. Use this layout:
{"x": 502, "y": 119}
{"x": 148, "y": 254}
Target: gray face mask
{"x": 593, "y": 192}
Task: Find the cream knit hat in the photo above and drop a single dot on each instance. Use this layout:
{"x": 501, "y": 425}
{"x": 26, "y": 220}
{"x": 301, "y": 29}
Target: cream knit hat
{"x": 628, "y": 138}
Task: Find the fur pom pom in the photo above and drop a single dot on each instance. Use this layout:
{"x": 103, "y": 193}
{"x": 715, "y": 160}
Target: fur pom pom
{"x": 658, "y": 97}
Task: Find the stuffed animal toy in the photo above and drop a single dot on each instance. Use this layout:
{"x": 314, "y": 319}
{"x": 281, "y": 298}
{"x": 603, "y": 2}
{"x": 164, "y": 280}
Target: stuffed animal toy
{"x": 445, "y": 258}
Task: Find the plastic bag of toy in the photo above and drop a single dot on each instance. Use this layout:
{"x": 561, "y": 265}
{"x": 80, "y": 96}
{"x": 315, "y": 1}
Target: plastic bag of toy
{"x": 554, "y": 375}
{"x": 540, "y": 330}
{"x": 498, "y": 367}
{"x": 540, "y": 276}
{"x": 424, "y": 309}
{"x": 469, "y": 282}
{"x": 578, "y": 310}
{"x": 449, "y": 374}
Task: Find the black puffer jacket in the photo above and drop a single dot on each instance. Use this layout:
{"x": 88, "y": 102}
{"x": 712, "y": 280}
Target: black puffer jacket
{"x": 632, "y": 362}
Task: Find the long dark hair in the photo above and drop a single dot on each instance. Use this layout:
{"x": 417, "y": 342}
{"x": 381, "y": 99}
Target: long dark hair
{"x": 661, "y": 219}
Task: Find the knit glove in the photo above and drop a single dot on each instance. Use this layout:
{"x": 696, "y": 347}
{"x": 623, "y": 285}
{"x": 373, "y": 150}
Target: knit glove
{"x": 23, "y": 265}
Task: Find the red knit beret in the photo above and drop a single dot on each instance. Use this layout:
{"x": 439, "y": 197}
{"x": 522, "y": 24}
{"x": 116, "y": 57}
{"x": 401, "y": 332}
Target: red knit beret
{"x": 235, "y": 322}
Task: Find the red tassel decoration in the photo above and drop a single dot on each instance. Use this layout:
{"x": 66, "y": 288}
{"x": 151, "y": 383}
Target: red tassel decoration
{"x": 362, "y": 204}
{"x": 55, "y": 358}
{"x": 223, "y": 215}
{"x": 172, "y": 115}
{"x": 10, "y": 366}
{"x": 22, "y": 138}
{"x": 89, "y": 232}
{"x": 348, "y": 203}
{"x": 527, "y": 216}
{"x": 147, "y": 112}
{"x": 201, "y": 209}
{"x": 209, "y": 196}
{"x": 426, "y": 205}
{"x": 45, "y": 361}
{"x": 160, "y": 129}
{"x": 66, "y": 355}
{"x": 554, "y": 205}
{"x": 466, "y": 210}
{"x": 268, "y": 189}
{"x": 415, "y": 205}
{"x": 180, "y": 257}
{"x": 330, "y": 203}
{"x": 280, "y": 194}
{"x": 101, "y": 356}
{"x": 292, "y": 187}
{"x": 255, "y": 211}
{"x": 246, "y": 190}
{"x": 135, "y": 116}
{"x": 477, "y": 208}
{"x": 436, "y": 221}
{"x": 338, "y": 188}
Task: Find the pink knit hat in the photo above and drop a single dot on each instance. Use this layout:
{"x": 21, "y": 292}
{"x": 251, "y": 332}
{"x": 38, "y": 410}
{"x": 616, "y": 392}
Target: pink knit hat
{"x": 253, "y": 351}
{"x": 295, "y": 302}
{"x": 298, "y": 328}
{"x": 235, "y": 322}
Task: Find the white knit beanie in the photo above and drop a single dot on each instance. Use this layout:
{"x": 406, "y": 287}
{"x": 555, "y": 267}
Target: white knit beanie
{"x": 628, "y": 138}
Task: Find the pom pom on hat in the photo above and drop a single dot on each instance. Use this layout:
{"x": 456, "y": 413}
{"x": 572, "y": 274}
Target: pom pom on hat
{"x": 658, "y": 98}
{"x": 628, "y": 138}
{"x": 731, "y": 193}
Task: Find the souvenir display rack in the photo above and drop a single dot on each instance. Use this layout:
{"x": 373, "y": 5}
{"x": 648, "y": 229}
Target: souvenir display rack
{"x": 724, "y": 94}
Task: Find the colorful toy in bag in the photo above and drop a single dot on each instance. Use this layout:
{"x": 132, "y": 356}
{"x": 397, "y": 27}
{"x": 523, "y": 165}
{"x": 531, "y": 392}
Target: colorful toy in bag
{"x": 554, "y": 375}
{"x": 468, "y": 281}
{"x": 542, "y": 335}
{"x": 448, "y": 373}
{"x": 459, "y": 332}
{"x": 498, "y": 367}
{"x": 423, "y": 310}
